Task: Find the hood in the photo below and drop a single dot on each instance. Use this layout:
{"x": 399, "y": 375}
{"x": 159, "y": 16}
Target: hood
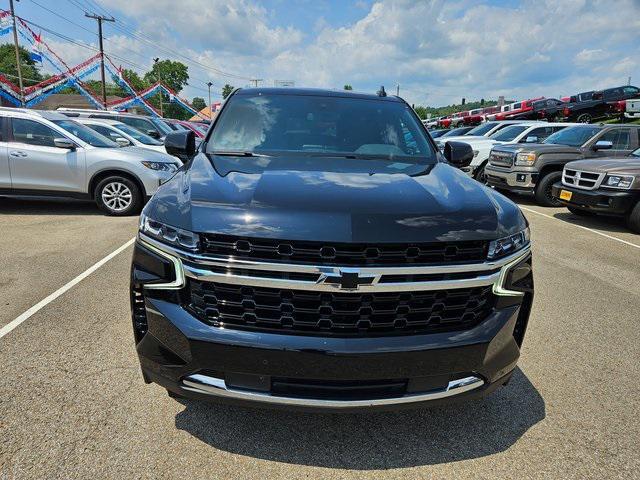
{"x": 443, "y": 204}
{"x": 611, "y": 165}
{"x": 132, "y": 153}
{"x": 461, "y": 138}
{"x": 539, "y": 148}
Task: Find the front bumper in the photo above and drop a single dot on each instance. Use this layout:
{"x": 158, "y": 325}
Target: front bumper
{"x": 514, "y": 180}
{"x": 609, "y": 202}
{"x": 193, "y": 359}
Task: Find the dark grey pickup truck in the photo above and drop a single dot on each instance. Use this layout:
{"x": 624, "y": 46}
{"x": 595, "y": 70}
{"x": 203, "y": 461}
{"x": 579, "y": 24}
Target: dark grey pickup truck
{"x": 607, "y": 186}
{"x": 534, "y": 168}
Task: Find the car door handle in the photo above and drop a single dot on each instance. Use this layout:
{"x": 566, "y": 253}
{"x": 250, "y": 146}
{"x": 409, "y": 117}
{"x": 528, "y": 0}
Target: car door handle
{"x": 16, "y": 153}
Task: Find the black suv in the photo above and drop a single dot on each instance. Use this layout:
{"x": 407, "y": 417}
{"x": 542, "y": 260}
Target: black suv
{"x": 599, "y": 104}
{"x": 319, "y": 252}
{"x": 534, "y": 168}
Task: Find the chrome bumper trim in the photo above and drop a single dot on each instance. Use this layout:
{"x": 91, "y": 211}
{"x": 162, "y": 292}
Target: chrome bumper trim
{"x": 217, "y": 387}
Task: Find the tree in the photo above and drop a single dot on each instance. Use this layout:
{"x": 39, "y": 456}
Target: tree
{"x": 198, "y": 103}
{"x": 174, "y": 75}
{"x": 134, "y": 79}
{"x": 348, "y": 87}
{"x": 30, "y": 73}
{"x": 226, "y": 90}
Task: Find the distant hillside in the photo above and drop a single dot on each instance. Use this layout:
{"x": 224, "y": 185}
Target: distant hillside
{"x": 423, "y": 112}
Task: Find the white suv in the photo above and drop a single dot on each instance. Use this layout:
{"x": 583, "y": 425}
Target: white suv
{"x": 47, "y": 153}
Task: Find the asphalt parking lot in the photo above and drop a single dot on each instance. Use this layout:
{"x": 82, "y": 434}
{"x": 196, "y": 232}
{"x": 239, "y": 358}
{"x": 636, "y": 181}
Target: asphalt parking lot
{"x": 73, "y": 403}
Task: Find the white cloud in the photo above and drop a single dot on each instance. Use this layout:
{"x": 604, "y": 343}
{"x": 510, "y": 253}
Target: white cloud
{"x": 438, "y": 51}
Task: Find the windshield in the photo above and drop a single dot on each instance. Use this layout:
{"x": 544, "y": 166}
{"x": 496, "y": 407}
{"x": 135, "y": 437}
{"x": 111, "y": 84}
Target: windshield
{"x": 508, "y": 134}
{"x": 437, "y": 133}
{"x": 85, "y": 134}
{"x": 572, "y": 136}
{"x": 163, "y": 127}
{"x": 480, "y": 130}
{"x": 457, "y": 132}
{"x": 137, "y": 134}
{"x": 636, "y": 153}
{"x": 323, "y": 126}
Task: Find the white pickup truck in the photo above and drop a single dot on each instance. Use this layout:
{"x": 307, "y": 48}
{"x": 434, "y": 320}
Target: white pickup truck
{"x": 632, "y": 108}
{"x": 520, "y": 132}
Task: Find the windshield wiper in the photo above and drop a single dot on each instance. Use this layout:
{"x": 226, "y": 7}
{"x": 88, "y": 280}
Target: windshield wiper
{"x": 229, "y": 153}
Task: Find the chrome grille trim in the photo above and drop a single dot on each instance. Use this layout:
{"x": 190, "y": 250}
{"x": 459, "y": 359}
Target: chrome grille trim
{"x": 582, "y": 179}
{"x": 194, "y": 266}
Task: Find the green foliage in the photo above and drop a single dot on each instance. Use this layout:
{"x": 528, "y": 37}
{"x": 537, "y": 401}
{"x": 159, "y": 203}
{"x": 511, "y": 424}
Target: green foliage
{"x": 449, "y": 109}
{"x": 348, "y": 87}
{"x": 198, "y": 103}
{"x": 174, "y": 75}
{"x": 134, "y": 79}
{"x": 226, "y": 90}
{"x": 30, "y": 73}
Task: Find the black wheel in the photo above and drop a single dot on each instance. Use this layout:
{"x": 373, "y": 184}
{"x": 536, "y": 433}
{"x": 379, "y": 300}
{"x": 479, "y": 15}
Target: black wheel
{"x": 580, "y": 212}
{"x": 584, "y": 118}
{"x": 118, "y": 196}
{"x": 633, "y": 219}
{"x": 543, "y": 190}
{"x": 479, "y": 175}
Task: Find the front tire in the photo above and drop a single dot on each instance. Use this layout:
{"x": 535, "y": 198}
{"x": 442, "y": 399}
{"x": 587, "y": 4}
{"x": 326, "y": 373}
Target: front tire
{"x": 118, "y": 196}
{"x": 543, "y": 190}
{"x": 584, "y": 118}
{"x": 633, "y": 219}
{"x": 479, "y": 175}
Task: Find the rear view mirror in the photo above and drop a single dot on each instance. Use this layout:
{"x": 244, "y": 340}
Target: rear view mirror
{"x": 64, "y": 143}
{"x": 123, "y": 142}
{"x": 153, "y": 134}
{"x": 181, "y": 144}
{"x": 531, "y": 139}
{"x": 603, "y": 145}
{"x": 458, "y": 154}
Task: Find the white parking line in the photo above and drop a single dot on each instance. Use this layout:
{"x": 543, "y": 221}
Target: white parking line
{"x": 42, "y": 303}
{"x": 611, "y": 237}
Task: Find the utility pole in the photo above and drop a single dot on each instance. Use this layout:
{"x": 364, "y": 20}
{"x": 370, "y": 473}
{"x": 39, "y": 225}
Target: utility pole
{"x": 155, "y": 61}
{"x": 209, "y": 84}
{"x": 15, "y": 43}
{"x": 398, "y": 89}
{"x": 100, "y": 19}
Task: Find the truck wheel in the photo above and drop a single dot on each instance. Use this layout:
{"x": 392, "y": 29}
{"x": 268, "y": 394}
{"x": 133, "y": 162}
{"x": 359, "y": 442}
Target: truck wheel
{"x": 584, "y": 118}
{"x": 118, "y": 196}
{"x": 633, "y": 219}
{"x": 580, "y": 212}
{"x": 543, "y": 190}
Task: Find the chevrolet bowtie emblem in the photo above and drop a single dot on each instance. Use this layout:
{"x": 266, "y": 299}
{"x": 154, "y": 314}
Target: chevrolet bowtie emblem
{"x": 347, "y": 279}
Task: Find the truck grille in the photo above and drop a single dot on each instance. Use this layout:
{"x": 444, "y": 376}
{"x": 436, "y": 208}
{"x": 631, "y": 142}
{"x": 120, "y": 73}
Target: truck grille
{"x": 501, "y": 159}
{"x": 340, "y": 314}
{"x": 581, "y": 179}
{"x": 344, "y": 254}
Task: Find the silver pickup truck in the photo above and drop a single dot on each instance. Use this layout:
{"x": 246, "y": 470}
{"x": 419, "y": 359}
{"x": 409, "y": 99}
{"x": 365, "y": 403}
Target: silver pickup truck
{"x": 632, "y": 109}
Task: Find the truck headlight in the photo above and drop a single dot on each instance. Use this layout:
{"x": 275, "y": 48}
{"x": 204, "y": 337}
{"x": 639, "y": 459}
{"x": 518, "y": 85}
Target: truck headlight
{"x": 619, "y": 181}
{"x": 525, "y": 159}
{"x": 168, "y": 234}
{"x": 161, "y": 166}
{"x": 508, "y": 245}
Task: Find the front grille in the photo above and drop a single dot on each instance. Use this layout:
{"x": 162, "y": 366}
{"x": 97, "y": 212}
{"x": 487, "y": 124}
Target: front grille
{"x": 501, "y": 159}
{"x": 581, "y": 179}
{"x": 347, "y": 314}
{"x": 344, "y": 254}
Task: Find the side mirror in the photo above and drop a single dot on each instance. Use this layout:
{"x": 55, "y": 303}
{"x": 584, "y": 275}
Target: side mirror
{"x": 603, "y": 145}
{"x": 458, "y": 154}
{"x": 181, "y": 144}
{"x": 153, "y": 134}
{"x": 64, "y": 143}
{"x": 531, "y": 139}
{"x": 123, "y": 142}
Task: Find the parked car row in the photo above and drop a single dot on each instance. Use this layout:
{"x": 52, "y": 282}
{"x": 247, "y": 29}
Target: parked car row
{"x": 83, "y": 156}
{"x": 583, "y": 107}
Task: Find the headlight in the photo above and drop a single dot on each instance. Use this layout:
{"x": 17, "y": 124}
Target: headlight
{"x": 168, "y": 234}
{"x": 526, "y": 159}
{"x": 508, "y": 245}
{"x": 161, "y": 166}
{"x": 619, "y": 181}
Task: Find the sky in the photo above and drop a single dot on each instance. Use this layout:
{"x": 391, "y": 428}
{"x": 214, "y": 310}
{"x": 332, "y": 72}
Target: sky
{"x": 436, "y": 51}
